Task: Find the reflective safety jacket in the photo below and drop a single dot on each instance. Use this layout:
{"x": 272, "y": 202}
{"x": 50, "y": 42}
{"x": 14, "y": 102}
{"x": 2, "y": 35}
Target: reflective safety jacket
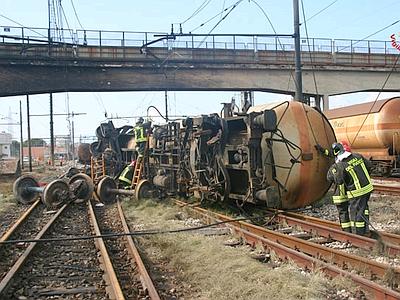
{"x": 352, "y": 171}
{"x": 140, "y": 135}
{"x": 357, "y": 179}
{"x": 335, "y": 174}
{"x": 126, "y": 175}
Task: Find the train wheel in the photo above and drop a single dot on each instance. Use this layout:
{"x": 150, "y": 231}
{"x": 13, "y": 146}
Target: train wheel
{"x": 143, "y": 190}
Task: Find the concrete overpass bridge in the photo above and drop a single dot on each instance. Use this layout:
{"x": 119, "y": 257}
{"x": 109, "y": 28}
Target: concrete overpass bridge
{"x": 88, "y": 61}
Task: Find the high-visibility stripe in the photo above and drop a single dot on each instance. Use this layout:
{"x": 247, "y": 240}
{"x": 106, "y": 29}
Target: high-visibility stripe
{"x": 139, "y": 134}
{"x": 352, "y": 223}
{"x": 355, "y": 179}
{"x": 123, "y": 177}
{"x": 366, "y": 172}
{"x": 366, "y": 212}
{"x": 345, "y": 224}
{"x": 357, "y": 193}
{"x": 360, "y": 224}
{"x": 339, "y": 199}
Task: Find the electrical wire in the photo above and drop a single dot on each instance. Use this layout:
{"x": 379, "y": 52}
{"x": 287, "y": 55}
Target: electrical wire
{"x": 376, "y": 99}
{"x": 291, "y": 76}
{"x": 320, "y": 11}
{"x": 199, "y": 9}
{"x": 215, "y": 16}
{"x": 11, "y": 20}
{"x": 76, "y": 14}
{"x": 372, "y": 34}
{"x": 135, "y": 233}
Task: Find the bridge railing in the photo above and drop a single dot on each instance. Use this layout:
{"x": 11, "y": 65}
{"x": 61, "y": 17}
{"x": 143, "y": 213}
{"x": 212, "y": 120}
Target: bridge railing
{"x": 255, "y": 43}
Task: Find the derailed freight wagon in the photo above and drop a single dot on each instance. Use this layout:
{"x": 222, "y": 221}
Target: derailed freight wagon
{"x": 266, "y": 155}
{"x": 373, "y": 130}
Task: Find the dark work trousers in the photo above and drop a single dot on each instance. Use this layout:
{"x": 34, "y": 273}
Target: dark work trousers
{"x": 358, "y": 207}
{"x": 344, "y": 217}
{"x": 141, "y": 147}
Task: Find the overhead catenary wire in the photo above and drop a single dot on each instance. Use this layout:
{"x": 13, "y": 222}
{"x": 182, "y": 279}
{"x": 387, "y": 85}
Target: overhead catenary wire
{"x": 199, "y": 9}
{"x": 320, "y": 11}
{"x": 372, "y": 34}
{"x": 215, "y": 16}
{"x": 11, "y": 20}
{"x": 377, "y": 97}
{"x": 76, "y": 14}
{"x": 291, "y": 76}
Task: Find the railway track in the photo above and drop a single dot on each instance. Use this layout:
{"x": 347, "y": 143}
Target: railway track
{"x": 72, "y": 269}
{"x": 389, "y": 186}
{"x": 309, "y": 254}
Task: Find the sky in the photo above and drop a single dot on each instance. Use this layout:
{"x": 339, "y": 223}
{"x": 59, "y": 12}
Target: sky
{"x": 342, "y": 19}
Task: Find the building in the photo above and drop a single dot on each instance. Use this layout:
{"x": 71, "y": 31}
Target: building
{"x": 5, "y": 145}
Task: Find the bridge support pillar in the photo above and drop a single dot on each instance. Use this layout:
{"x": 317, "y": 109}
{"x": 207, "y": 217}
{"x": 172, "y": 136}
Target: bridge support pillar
{"x": 325, "y": 102}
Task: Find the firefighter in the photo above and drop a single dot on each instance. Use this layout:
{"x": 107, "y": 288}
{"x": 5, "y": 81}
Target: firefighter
{"x": 141, "y": 129}
{"x": 125, "y": 178}
{"x": 340, "y": 199}
{"x": 351, "y": 173}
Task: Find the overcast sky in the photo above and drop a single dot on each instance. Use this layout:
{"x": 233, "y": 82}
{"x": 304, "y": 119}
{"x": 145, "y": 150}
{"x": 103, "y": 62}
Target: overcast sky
{"x": 342, "y": 19}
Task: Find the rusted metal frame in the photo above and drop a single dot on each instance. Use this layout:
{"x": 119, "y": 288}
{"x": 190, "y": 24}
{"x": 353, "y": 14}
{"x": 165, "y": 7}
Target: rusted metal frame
{"x": 145, "y": 278}
{"x": 377, "y": 291}
{"x": 338, "y": 235}
{"x": 21, "y": 260}
{"x": 386, "y": 237}
{"x": 318, "y": 251}
{"x": 109, "y": 269}
{"x": 17, "y": 223}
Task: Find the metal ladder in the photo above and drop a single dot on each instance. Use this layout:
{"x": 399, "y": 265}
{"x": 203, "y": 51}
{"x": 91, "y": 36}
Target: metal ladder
{"x": 97, "y": 168}
{"x": 137, "y": 173}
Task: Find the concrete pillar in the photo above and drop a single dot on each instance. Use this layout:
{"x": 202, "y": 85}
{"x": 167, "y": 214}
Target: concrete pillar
{"x": 318, "y": 101}
{"x": 325, "y": 102}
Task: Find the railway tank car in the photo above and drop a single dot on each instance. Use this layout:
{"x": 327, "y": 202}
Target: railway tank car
{"x": 372, "y": 129}
{"x": 266, "y": 155}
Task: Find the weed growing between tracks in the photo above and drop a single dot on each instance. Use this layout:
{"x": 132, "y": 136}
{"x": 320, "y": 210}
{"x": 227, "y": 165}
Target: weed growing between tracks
{"x": 201, "y": 267}
{"x": 7, "y": 201}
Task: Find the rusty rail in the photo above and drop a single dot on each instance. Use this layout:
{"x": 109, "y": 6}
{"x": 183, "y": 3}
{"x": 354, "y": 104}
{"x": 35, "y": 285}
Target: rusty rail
{"x": 333, "y": 231}
{"x": 109, "y": 269}
{"x": 390, "y": 239}
{"x": 22, "y": 259}
{"x": 18, "y": 222}
{"x": 288, "y": 247}
{"x": 144, "y": 275}
{"x": 387, "y": 189}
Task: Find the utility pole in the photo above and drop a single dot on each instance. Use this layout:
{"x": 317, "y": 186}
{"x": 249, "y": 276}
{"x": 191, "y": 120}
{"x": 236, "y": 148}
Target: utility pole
{"x": 51, "y": 131}
{"x": 73, "y": 139}
{"x": 21, "y": 146}
{"x": 298, "y": 78}
{"x": 29, "y": 133}
{"x": 166, "y": 106}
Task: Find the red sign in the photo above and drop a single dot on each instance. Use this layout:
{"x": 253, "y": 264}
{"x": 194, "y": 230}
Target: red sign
{"x": 395, "y": 43}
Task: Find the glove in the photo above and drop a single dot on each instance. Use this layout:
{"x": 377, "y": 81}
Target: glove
{"x": 319, "y": 148}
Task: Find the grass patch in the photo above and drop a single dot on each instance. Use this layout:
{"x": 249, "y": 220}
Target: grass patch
{"x": 215, "y": 271}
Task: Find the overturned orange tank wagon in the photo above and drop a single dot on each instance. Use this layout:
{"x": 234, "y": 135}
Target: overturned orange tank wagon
{"x": 372, "y": 129}
{"x": 266, "y": 155}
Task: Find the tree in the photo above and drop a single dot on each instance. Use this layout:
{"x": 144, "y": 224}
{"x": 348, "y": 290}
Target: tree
{"x": 35, "y": 143}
